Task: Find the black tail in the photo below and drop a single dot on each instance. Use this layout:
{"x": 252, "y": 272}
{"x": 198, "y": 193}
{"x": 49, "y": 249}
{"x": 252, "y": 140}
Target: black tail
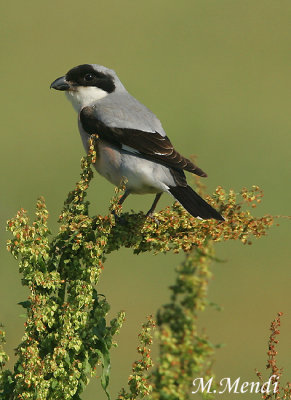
{"x": 193, "y": 203}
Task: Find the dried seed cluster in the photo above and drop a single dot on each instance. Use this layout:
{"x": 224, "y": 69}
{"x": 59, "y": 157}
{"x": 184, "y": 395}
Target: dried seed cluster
{"x": 67, "y": 334}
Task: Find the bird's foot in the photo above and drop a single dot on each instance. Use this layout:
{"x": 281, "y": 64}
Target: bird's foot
{"x": 151, "y": 215}
{"x": 119, "y": 219}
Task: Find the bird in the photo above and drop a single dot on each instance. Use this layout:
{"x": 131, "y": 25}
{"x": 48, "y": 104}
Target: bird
{"x": 131, "y": 142}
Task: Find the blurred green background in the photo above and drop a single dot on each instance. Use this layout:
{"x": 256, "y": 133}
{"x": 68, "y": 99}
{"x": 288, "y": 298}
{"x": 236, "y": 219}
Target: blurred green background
{"x": 217, "y": 74}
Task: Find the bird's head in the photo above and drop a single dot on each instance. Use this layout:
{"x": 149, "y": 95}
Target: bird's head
{"x": 88, "y": 83}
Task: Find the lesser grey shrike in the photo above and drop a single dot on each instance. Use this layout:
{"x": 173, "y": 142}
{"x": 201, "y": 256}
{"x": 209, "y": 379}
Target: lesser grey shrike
{"x": 131, "y": 140}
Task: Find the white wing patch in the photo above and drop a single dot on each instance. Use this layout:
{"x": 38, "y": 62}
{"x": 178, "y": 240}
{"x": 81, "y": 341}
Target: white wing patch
{"x": 129, "y": 149}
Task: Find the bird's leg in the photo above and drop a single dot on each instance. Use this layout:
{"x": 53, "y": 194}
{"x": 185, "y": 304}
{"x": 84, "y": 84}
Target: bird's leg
{"x": 123, "y": 197}
{"x": 153, "y": 207}
{"x": 120, "y": 202}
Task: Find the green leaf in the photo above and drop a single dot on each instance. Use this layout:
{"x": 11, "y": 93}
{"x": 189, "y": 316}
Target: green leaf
{"x": 106, "y": 366}
{"x": 100, "y": 329}
{"x": 25, "y": 304}
{"x": 54, "y": 383}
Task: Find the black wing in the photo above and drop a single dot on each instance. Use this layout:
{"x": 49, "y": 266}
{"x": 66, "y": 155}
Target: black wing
{"x": 149, "y": 144}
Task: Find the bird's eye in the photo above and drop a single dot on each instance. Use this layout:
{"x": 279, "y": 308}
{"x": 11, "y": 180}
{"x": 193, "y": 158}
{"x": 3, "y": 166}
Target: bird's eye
{"x": 89, "y": 77}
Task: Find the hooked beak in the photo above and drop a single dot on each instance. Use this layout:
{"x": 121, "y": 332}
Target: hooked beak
{"x": 60, "y": 84}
